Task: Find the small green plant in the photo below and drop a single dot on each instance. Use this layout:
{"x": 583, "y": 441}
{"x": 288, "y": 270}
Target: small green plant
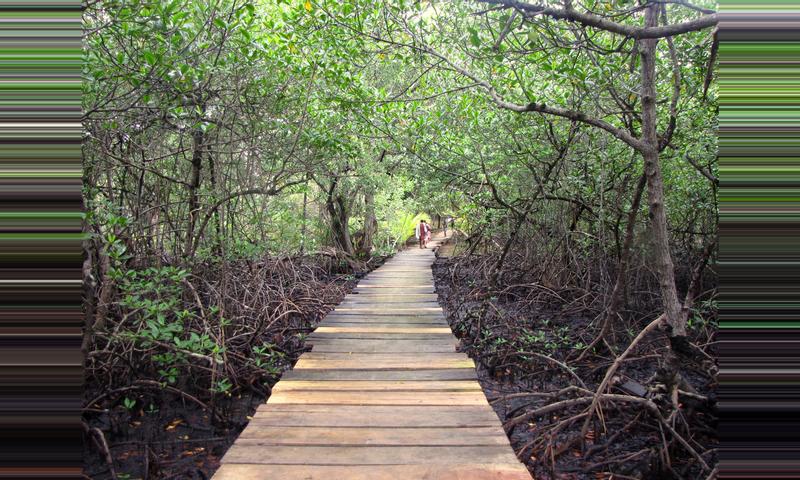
{"x": 498, "y": 342}
{"x": 222, "y": 386}
{"x": 530, "y": 338}
{"x": 128, "y": 403}
{"x": 268, "y": 358}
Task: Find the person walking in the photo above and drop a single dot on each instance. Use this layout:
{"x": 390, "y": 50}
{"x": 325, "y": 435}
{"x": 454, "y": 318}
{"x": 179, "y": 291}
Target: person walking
{"x": 428, "y": 233}
{"x": 422, "y": 232}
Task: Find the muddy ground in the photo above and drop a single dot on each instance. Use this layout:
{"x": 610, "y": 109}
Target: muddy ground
{"x": 500, "y": 331}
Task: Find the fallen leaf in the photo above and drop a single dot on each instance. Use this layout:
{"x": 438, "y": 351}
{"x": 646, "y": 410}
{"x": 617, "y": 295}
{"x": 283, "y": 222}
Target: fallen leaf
{"x": 174, "y": 424}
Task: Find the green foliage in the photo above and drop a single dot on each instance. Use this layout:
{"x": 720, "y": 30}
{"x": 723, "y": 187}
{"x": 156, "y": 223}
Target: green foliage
{"x": 152, "y": 300}
{"x": 129, "y": 403}
{"x": 268, "y": 358}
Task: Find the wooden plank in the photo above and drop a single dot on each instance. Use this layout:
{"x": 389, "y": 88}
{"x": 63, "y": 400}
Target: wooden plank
{"x": 389, "y": 300}
{"x": 452, "y": 416}
{"x": 359, "y": 319}
{"x": 390, "y": 305}
{"x": 468, "y": 471}
{"x": 377, "y": 386}
{"x": 376, "y": 361}
{"x": 326, "y": 323}
{"x": 398, "y": 374}
{"x": 383, "y": 346}
{"x": 389, "y": 309}
{"x": 377, "y": 295}
{"x": 400, "y": 319}
{"x": 353, "y": 436}
{"x": 385, "y": 357}
{"x": 370, "y": 329}
{"x": 388, "y": 289}
{"x": 442, "y": 398}
{"x": 417, "y": 277}
{"x": 333, "y": 455}
{"x": 380, "y": 336}
{"x": 354, "y": 314}
{"x": 402, "y": 293}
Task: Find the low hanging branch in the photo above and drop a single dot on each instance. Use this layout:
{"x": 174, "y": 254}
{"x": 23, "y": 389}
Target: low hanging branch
{"x": 251, "y": 191}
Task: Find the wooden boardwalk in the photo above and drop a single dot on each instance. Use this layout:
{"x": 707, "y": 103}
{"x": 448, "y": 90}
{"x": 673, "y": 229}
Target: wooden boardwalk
{"x": 383, "y": 395}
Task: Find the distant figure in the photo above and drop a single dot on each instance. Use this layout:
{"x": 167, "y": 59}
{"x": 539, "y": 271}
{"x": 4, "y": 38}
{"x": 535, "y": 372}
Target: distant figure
{"x": 447, "y": 220}
{"x": 427, "y": 234}
{"x": 423, "y": 233}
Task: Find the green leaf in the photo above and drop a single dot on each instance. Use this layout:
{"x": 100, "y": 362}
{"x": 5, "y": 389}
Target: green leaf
{"x": 474, "y": 39}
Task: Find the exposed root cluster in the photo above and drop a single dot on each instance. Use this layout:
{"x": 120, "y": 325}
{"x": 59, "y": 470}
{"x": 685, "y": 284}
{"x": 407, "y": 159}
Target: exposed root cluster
{"x": 630, "y": 407}
{"x": 163, "y": 409}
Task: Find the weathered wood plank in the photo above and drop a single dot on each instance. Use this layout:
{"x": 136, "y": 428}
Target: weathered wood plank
{"x": 354, "y": 436}
{"x": 376, "y": 293}
{"x": 469, "y": 471}
{"x": 402, "y": 321}
{"x": 384, "y": 324}
{"x": 387, "y": 289}
{"x": 382, "y": 346}
{"x": 366, "y": 328}
{"x": 345, "y": 361}
{"x": 397, "y": 374}
{"x": 453, "y": 416}
{"x": 391, "y": 306}
{"x": 332, "y": 455}
{"x": 379, "y": 336}
{"x": 441, "y": 398}
{"x": 377, "y": 385}
{"x": 389, "y": 302}
{"x": 384, "y": 315}
{"x": 388, "y": 308}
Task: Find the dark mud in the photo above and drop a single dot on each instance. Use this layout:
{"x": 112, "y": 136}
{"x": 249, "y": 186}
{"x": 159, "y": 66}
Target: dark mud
{"x": 502, "y": 332}
{"x": 145, "y": 431}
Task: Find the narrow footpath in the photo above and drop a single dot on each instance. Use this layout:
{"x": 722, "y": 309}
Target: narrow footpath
{"x": 383, "y": 395}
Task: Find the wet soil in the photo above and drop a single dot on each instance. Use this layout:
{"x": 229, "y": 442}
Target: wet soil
{"x": 148, "y": 432}
{"x": 498, "y": 330}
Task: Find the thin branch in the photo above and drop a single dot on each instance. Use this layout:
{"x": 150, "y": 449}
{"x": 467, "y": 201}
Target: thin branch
{"x": 590, "y": 20}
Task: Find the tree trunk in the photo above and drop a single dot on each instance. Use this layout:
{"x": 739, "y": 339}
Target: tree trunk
{"x": 617, "y": 294}
{"x": 303, "y": 228}
{"x": 494, "y": 278}
{"x": 212, "y": 175}
{"x": 337, "y": 210}
{"x": 655, "y": 184}
{"x": 370, "y": 223}
{"x": 194, "y": 185}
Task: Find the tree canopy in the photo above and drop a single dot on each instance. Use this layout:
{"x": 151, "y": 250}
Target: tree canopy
{"x": 573, "y": 143}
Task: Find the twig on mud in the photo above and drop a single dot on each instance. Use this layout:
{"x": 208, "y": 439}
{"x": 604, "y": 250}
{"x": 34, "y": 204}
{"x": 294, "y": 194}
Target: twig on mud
{"x": 625, "y": 457}
{"x": 102, "y": 444}
{"x": 564, "y": 366}
{"x": 648, "y": 404}
{"x": 610, "y": 372}
{"x": 595, "y": 448}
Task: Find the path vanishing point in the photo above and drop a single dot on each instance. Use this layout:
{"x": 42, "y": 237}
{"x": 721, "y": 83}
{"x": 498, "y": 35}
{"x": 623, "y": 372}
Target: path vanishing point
{"x": 383, "y": 395}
